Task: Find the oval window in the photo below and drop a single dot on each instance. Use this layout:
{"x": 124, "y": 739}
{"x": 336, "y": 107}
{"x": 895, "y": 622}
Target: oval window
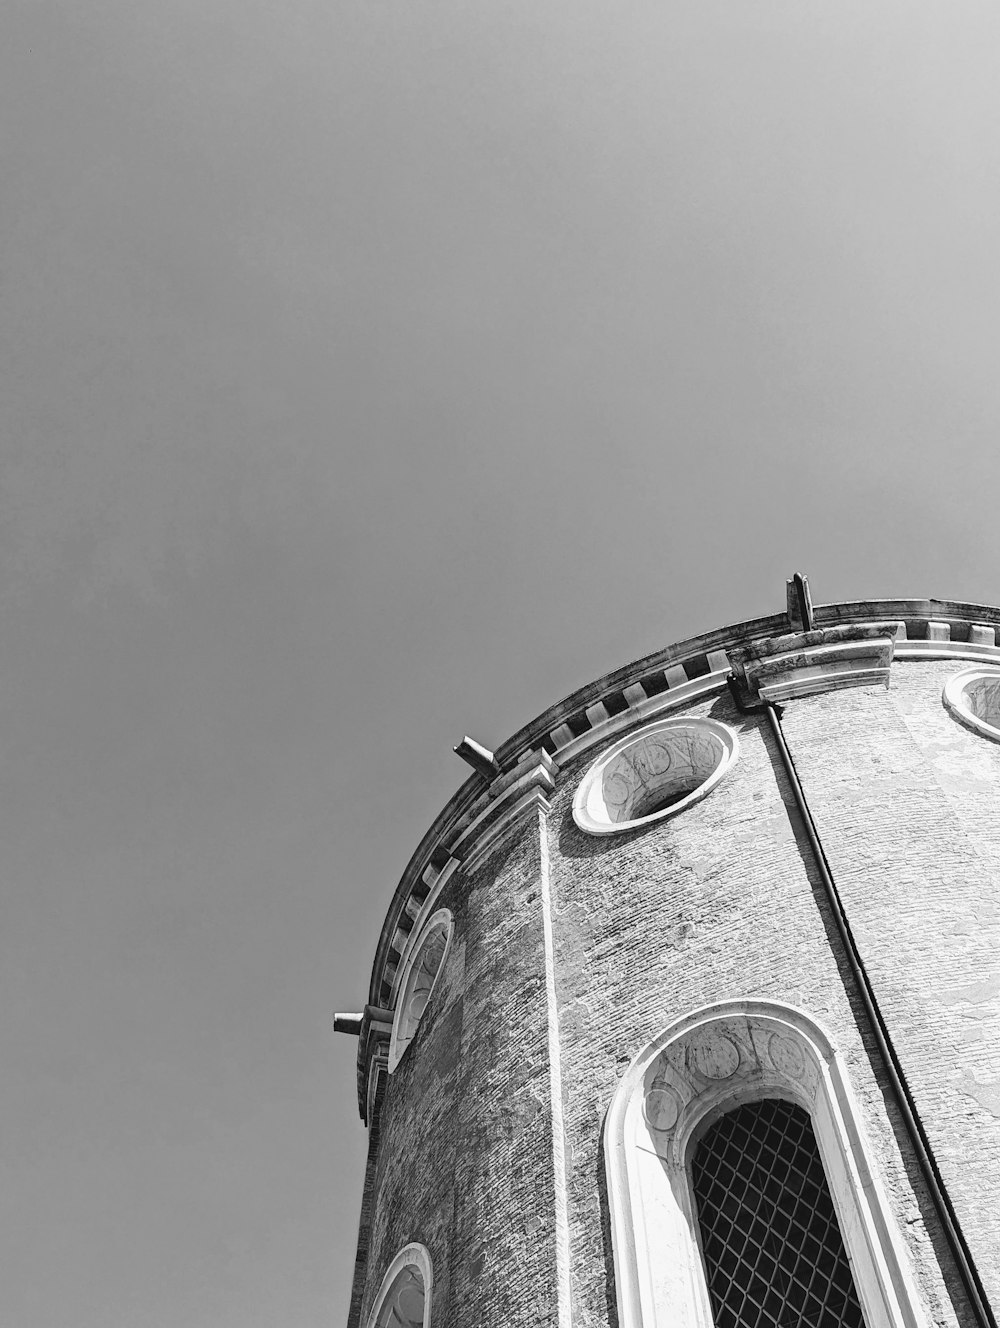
{"x": 654, "y": 774}
{"x": 973, "y": 697}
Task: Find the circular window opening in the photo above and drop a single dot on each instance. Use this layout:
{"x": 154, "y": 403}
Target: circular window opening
{"x": 654, "y": 774}
{"x": 973, "y": 697}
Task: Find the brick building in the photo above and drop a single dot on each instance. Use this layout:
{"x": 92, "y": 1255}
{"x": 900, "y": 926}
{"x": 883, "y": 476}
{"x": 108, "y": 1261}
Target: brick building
{"x": 686, "y": 1009}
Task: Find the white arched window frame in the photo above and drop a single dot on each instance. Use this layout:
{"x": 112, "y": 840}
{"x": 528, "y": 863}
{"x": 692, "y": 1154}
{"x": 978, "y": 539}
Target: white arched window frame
{"x": 701, "y": 1067}
{"x": 404, "y": 1297}
{"x": 419, "y": 972}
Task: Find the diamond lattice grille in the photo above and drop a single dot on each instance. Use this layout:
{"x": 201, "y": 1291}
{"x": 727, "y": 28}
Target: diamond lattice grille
{"x": 773, "y": 1250}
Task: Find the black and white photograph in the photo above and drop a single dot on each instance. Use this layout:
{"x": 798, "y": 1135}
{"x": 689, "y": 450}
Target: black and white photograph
{"x": 499, "y": 664}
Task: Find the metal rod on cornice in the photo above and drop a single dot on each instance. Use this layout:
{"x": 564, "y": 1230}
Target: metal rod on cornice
{"x": 901, "y": 1090}
{"x": 805, "y": 600}
{"x": 799, "y": 603}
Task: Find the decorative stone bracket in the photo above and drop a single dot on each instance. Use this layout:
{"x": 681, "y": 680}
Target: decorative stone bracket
{"x": 373, "y": 1059}
{"x": 803, "y": 663}
{"x": 509, "y": 797}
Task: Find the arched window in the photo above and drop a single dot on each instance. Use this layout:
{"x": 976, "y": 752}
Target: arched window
{"x": 725, "y": 1085}
{"x": 404, "y": 1298}
{"x": 421, "y": 966}
{"x": 770, "y": 1238}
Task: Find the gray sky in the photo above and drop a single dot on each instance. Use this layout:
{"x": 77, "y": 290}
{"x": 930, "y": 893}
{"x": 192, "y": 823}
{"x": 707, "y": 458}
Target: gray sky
{"x": 372, "y": 373}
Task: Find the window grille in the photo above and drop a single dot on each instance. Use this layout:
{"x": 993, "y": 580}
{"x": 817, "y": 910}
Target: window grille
{"x": 774, "y": 1255}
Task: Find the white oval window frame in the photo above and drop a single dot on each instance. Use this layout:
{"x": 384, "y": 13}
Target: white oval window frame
{"x": 955, "y": 703}
{"x": 442, "y": 920}
{"x": 589, "y": 798}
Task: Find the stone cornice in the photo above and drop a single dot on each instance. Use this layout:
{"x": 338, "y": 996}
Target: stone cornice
{"x": 508, "y": 798}
{"x": 373, "y": 1061}
{"x": 480, "y": 812}
{"x": 825, "y": 659}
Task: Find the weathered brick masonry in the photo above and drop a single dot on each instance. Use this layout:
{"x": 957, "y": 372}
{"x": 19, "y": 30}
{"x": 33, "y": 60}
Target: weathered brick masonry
{"x": 465, "y": 1130}
{"x": 719, "y": 902}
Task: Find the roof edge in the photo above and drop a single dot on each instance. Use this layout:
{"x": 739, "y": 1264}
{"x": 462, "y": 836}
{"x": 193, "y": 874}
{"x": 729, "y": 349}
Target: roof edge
{"x": 661, "y": 671}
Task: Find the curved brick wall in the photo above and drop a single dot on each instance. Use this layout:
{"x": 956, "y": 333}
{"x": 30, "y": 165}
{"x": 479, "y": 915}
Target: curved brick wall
{"x": 571, "y": 952}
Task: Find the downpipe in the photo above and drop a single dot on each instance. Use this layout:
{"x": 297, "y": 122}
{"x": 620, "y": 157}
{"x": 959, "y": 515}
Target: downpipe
{"x": 964, "y": 1262}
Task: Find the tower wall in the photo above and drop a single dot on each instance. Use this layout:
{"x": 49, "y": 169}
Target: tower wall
{"x": 572, "y": 952}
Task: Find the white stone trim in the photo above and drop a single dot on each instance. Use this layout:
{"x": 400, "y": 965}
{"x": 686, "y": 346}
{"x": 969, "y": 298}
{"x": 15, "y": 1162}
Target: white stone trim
{"x": 700, "y": 1067}
{"x": 535, "y": 797}
{"x": 399, "y": 1039}
{"x": 955, "y": 701}
{"x": 946, "y": 650}
{"x": 563, "y": 1286}
{"x": 508, "y": 797}
{"x": 597, "y": 714}
{"x": 589, "y": 808}
{"x": 823, "y": 678}
{"x": 411, "y": 1256}
{"x": 679, "y": 693}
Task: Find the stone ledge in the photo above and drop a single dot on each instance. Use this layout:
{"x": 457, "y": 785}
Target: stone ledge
{"x": 804, "y": 663}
